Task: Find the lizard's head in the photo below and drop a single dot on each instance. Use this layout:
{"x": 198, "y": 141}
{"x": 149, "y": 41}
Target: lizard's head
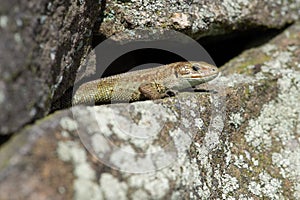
{"x": 196, "y": 72}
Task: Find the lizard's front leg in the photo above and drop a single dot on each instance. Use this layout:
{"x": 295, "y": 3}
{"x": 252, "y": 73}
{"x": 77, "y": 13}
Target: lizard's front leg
{"x": 155, "y": 90}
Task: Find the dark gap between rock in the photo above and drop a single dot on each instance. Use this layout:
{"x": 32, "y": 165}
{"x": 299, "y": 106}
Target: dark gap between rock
{"x": 225, "y": 47}
{"x": 4, "y": 138}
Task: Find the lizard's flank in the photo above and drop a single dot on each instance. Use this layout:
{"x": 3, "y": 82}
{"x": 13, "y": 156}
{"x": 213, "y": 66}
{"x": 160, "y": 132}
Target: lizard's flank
{"x": 153, "y": 83}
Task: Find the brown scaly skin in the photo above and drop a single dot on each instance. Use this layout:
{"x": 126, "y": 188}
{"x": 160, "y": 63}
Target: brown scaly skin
{"x": 154, "y": 83}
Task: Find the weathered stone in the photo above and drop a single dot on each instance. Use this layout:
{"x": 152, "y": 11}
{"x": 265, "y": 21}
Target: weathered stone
{"x": 197, "y": 18}
{"x": 41, "y": 46}
{"x": 240, "y": 142}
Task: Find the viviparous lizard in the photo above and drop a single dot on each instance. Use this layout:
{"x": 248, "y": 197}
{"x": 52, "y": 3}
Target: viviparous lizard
{"x": 153, "y": 83}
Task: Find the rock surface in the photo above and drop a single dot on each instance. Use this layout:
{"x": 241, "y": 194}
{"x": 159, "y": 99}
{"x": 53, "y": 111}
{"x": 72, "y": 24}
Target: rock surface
{"x": 41, "y": 46}
{"x": 242, "y": 141}
{"x": 42, "y": 42}
{"x": 197, "y": 18}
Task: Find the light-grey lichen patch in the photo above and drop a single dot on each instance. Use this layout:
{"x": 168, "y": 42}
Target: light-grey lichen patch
{"x": 19, "y": 22}
{"x": 137, "y": 145}
{"x": 267, "y": 186}
{"x": 43, "y": 19}
{"x": 257, "y": 136}
{"x": 86, "y": 189}
{"x": 112, "y": 188}
{"x": 278, "y": 65}
{"x": 255, "y": 162}
{"x": 156, "y": 184}
{"x": 230, "y": 184}
{"x": 84, "y": 171}
{"x": 65, "y": 134}
{"x": 240, "y": 162}
{"x": 68, "y": 124}
{"x": 280, "y": 115}
{"x": 85, "y": 186}
{"x": 158, "y": 187}
{"x": 126, "y": 159}
{"x": 18, "y": 38}
{"x": 125, "y": 127}
{"x": 254, "y": 188}
{"x": 271, "y": 187}
{"x": 202, "y": 191}
{"x": 99, "y": 144}
{"x": 288, "y": 161}
{"x": 181, "y": 140}
{"x": 236, "y": 119}
{"x": 251, "y": 88}
{"x": 64, "y": 150}
{"x": 139, "y": 194}
{"x": 52, "y": 55}
{"x": 235, "y": 79}
{"x": 71, "y": 151}
{"x": 217, "y": 122}
{"x": 211, "y": 139}
{"x": 276, "y": 124}
{"x": 228, "y": 153}
{"x": 269, "y": 49}
{"x": 198, "y": 123}
{"x": 3, "y": 21}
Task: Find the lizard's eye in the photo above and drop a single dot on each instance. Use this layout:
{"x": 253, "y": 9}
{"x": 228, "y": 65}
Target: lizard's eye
{"x": 195, "y": 68}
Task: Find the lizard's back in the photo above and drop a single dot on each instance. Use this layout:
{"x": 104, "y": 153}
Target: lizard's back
{"x": 120, "y": 88}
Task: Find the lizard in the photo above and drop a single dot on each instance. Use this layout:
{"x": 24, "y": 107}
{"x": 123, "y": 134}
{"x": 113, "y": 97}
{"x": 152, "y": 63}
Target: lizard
{"x": 146, "y": 84}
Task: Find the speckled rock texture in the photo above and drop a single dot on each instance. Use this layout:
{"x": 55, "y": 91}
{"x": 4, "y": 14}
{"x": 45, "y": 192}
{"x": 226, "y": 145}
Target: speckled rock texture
{"x": 240, "y": 142}
{"x": 197, "y": 18}
{"x": 42, "y": 42}
{"x": 41, "y": 46}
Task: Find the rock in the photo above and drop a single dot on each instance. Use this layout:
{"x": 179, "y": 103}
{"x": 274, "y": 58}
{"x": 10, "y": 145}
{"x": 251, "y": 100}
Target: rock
{"x": 41, "y": 47}
{"x": 43, "y": 43}
{"x": 239, "y": 141}
{"x": 196, "y": 18}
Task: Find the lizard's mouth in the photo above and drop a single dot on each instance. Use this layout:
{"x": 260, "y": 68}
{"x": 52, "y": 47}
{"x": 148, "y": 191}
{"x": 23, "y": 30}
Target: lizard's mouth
{"x": 195, "y": 76}
{"x": 198, "y": 76}
{"x": 198, "y": 79}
